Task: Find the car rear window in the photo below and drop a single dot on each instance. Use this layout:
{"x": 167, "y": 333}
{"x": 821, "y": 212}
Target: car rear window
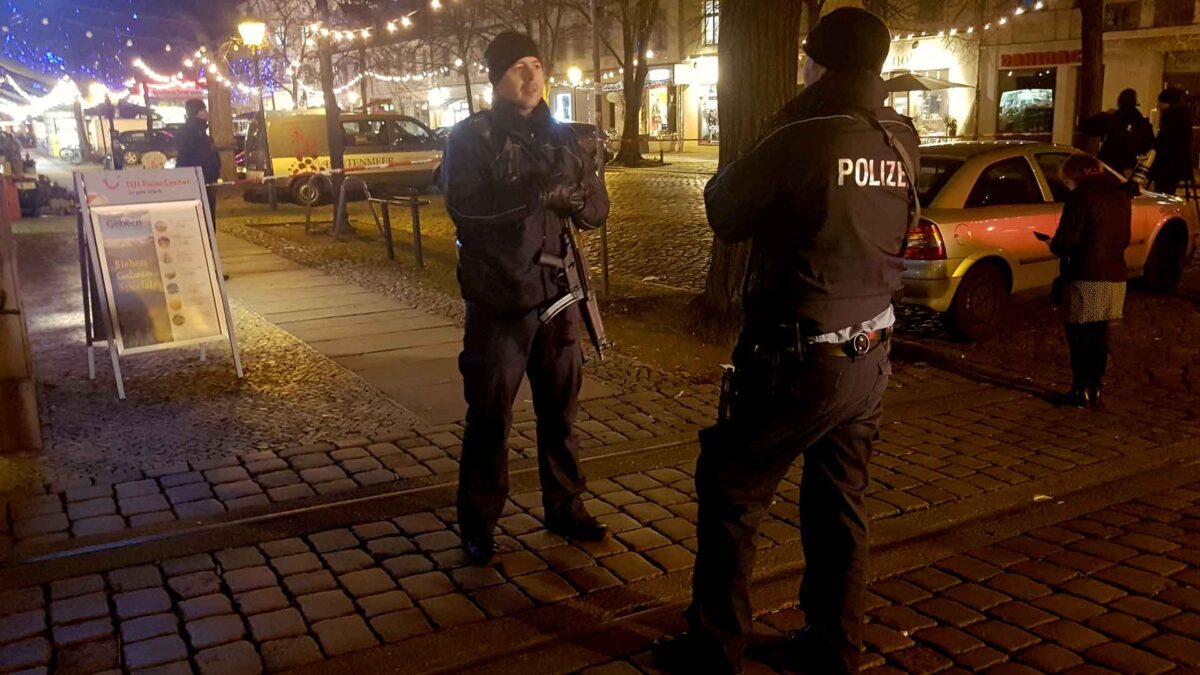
{"x": 934, "y": 173}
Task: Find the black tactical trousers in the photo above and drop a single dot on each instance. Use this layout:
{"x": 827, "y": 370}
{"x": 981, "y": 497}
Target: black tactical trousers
{"x": 498, "y": 352}
{"x": 829, "y": 412}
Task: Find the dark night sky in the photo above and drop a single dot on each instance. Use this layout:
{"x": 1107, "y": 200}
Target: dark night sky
{"x": 51, "y": 36}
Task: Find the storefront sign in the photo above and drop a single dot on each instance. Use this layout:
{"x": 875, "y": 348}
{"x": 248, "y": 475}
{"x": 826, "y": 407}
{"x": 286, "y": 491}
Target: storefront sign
{"x": 658, "y": 75}
{"x": 1034, "y": 59}
{"x": 151, "y": 271}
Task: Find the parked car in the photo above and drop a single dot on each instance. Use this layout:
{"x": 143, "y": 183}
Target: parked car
{"x": 974, "y": 250}
{"x": 588, "y": 137}
{"x": 134, "y": 144}
{"x": 386, "y": 150}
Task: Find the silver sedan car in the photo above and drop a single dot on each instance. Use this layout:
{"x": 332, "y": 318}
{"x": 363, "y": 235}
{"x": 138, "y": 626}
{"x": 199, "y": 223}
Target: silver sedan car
{"x": 975, "y": 251}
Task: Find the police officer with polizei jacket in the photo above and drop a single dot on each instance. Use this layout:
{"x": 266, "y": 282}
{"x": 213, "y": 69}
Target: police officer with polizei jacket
{"x": 511, "y": 176}
{"x": 825, "y": 199}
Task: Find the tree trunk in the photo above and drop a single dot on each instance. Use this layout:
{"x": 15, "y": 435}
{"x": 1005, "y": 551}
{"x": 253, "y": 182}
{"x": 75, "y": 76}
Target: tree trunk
{"x": 635, "y": 81}
{"x": 638, "y": 19}
{"x": 758, "y": 68}
{"x": 466, "y": 71}
{"x": 812, "y": 12}
{"x": 1091, "y": 71}
{"x": 333, "y": 123}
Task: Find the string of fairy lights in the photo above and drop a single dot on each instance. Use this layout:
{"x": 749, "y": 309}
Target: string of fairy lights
{"x": 206, "y": 68}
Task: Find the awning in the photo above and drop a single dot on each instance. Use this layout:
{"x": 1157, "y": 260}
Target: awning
{"x": 123, "y": 110}
{"x": 911, "y": 82}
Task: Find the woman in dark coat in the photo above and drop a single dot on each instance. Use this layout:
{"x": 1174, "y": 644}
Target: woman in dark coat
{"x": 1173, "y": 160}
{"x": 1091, "y": 240}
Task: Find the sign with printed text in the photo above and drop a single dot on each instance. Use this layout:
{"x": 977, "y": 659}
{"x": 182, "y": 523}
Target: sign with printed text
{"x": 1034, "y": 59}
{"x": 140, "y": 186}
{"x": 151, "y": 270}
{"x": 157, "y": 266}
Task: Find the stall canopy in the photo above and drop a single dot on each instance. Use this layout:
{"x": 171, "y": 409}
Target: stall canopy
{"x": 122, "y": 110}
{"x": 911, "y": 82}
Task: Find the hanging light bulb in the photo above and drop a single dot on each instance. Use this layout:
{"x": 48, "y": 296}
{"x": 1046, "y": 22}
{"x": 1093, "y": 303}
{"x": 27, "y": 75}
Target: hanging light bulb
{"x": 970, "y": 29}
{"x": 1003, "y": 20}
{"x": 406, "y": 22}
{"x": 45, "y": 21}
{"x": 435, "y": 5}
{"x": 391, "y": 27}
{"x": 458, "y": 63}
{"x": 129, "y": 43}
{"x": 88, "y": 34}
{"x": 167, "y": 47}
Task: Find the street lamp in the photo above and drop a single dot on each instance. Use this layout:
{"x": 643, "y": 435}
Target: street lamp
{"x": 253, "y": 32}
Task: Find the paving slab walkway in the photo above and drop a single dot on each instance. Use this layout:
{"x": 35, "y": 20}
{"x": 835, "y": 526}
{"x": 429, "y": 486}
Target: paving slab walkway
{"x": 408, "y": 353}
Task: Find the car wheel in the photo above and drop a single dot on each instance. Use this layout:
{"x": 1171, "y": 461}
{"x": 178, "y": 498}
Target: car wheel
{"x": 979, "y": 305}
{"x": 307, "y": 193}
{"x": 131, "y": 157}
{"x": 1168, "y": 256}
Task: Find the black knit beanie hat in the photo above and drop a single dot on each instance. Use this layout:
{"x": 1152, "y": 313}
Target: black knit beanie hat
{"x": 505, "y": 50}
{"x": 192, "y": 107}
{"x": 849, "y": 38}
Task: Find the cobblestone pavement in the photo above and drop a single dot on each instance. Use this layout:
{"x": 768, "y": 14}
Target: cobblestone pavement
{"x": 108, "y": 503}
{"x": 1154, "y": 364}
{"x": 1113, "y": 591}
{"x": 178, "y": 409}
{"x": 382, "y": 579}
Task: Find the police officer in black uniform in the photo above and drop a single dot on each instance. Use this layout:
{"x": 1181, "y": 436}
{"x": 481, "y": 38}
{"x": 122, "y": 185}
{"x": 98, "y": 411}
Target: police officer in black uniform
{"x": 511, "y": 176}
{"x": 825, "y": 199}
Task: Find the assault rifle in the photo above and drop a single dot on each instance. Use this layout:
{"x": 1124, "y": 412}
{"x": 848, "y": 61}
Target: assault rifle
{"x": 578, "y": 288}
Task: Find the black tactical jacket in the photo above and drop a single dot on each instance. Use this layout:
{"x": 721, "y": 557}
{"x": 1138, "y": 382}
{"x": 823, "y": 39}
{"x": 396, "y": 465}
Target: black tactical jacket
{"x": 825, "y": 201}
{"x": 496, "y": 171}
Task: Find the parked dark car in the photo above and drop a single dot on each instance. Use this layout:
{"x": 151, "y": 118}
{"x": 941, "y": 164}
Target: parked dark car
{"x": 588, "y": 136}
{"x": 134, "y": 144}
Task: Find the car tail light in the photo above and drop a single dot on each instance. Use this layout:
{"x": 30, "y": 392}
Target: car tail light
{"x": 924, "y": 242}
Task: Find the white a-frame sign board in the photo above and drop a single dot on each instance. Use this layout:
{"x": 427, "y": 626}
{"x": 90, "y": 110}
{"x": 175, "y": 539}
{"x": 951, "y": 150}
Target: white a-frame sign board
{"x": 149, "y": 265}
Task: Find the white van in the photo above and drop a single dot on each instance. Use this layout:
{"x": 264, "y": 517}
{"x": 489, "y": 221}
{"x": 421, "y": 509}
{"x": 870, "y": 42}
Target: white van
{"x": 386, "y": 150}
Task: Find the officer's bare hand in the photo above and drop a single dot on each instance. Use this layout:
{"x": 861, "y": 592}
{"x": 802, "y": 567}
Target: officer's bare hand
{"x": 566, "y": 199}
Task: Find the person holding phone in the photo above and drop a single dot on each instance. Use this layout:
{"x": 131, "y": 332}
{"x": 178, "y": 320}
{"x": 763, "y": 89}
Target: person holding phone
{"x": 1092, "y": 236}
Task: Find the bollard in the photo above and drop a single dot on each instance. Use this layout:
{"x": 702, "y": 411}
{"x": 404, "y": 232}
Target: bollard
{"x": 416, "y": 222}
{"x": 387, "y": 230}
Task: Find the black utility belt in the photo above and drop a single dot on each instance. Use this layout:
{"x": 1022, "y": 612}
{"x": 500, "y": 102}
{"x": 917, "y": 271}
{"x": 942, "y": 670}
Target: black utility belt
{"x": 859, "y": 345}
{"x": 788, "y": 342}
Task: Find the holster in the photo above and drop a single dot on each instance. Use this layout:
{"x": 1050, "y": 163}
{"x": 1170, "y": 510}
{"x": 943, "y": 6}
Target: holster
{"x": 765, "y": 365}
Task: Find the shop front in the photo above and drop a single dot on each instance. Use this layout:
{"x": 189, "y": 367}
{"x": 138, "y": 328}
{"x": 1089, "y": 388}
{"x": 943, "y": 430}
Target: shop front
{"x": 700, "y": 121}
{"x": 1031, "y": 95}
{"x": 923, "y": 77}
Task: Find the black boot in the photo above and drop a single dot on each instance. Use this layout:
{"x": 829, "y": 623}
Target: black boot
{"x": 688, "y": 655}
{"x": 578, "y": 527}
{"x": 1093, "y": 396}
{"x": 1077, "y": 397}
{"x": 479, "y": 548}
{"x": 812, "y": 654}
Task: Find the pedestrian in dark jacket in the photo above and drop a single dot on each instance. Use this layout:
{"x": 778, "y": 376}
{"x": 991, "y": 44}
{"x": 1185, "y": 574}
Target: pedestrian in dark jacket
{"x": 824, "y": 199}
{"x": 1124, "y": 133}
{"x": 195, "y": 148}
{"x": 1173, "y": 151}
{"x": 512, "y": 177}
{"x": 1092, "y": 236}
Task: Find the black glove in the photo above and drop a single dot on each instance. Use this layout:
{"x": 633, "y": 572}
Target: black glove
{"x": 566, "y": 200}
